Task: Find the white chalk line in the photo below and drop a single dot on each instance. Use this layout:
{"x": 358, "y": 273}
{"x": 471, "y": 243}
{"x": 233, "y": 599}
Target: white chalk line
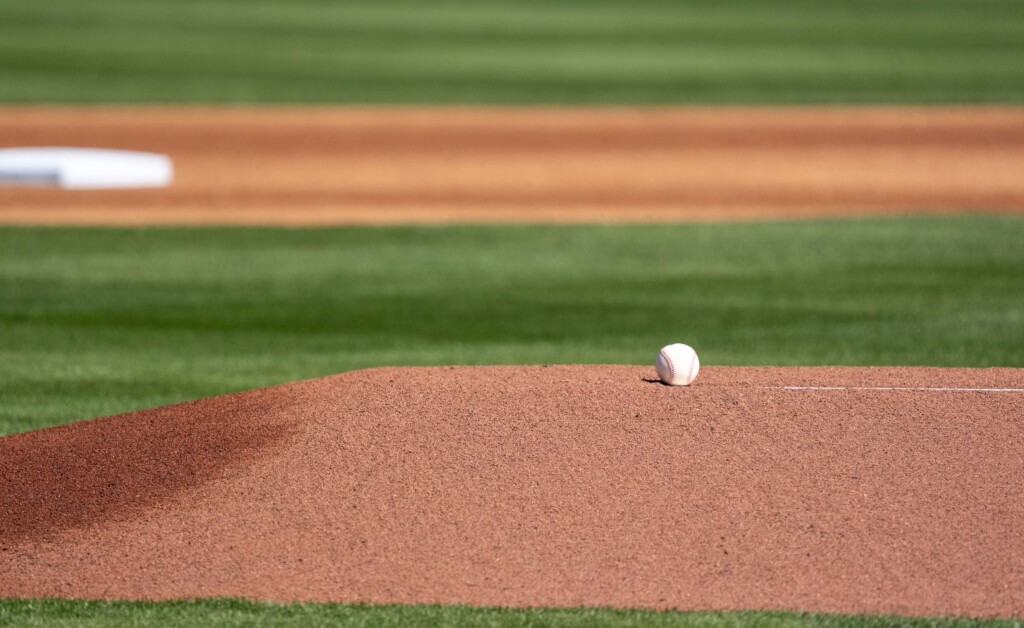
{"x": 899, "y": 388}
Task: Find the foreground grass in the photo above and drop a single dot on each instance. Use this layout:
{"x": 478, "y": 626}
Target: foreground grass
{"x": 30, "y": 613}
{"x": 512, "y": 51}
{"x": 99, "y": 321}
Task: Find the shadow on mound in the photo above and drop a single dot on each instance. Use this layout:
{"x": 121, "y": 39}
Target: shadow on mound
{"x": 72, "y": 475}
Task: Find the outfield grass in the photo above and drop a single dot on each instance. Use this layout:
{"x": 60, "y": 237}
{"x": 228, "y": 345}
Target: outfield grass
{"x": 226, "y": 613}
{"x": 98, "y": 321}
{"x": 512, "y": 51}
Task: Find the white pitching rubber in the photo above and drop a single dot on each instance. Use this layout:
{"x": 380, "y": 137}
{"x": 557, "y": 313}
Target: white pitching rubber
{"x": 84, "y": 168}
{"x": 677, "y": 364}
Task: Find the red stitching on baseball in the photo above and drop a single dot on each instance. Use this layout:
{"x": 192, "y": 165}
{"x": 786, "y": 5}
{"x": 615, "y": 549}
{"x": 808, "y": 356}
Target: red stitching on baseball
{"x": 671, "y": 368}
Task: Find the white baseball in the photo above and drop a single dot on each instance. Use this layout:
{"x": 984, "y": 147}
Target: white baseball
{"x": 677, "y": 364}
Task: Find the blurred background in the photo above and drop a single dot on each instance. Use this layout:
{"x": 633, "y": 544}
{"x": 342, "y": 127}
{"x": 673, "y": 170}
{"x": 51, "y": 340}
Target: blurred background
{"x": 794, "y": 182}
{"x": 512, "y": 52}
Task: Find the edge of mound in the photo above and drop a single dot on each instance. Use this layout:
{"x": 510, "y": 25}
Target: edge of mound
{"x": 851, "y": 490}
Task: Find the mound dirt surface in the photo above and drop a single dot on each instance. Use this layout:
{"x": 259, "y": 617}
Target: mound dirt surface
{"x": 552, "y": 486}
{"x": 310, "y": 166}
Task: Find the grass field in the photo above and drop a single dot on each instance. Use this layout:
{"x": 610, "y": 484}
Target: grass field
{"x": 239, "y": 613}
{"x": 486, "y": 51}
{"x": 99, "y": 321}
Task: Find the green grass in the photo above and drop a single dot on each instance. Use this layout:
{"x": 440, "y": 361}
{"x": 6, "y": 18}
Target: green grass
{"x": 98, "y": 321}
{"x": 512, "y": 51}
{"x": 29, "y": 613}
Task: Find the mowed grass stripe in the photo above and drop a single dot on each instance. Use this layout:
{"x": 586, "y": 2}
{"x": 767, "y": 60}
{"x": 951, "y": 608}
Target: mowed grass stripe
{"x": 227, "y": 613}
{"x": 100, "y": 321}
{"x": 477, "y": 51}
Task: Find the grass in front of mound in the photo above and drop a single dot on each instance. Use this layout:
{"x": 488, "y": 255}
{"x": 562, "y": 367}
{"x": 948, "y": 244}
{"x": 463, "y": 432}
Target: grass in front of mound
{"x": 29, "y": 613}
{"x": 99, "y": 321}
{"x": 512, "y": 51}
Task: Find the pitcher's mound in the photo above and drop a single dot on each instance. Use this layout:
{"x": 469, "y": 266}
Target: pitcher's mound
{"x": 825, "y": 489}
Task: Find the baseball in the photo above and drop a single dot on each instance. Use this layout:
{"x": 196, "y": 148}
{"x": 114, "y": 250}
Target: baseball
{"x": 677, "y": 364}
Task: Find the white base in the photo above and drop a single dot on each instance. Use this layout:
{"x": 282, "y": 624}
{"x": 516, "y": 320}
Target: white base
{"x": 84, "y": 168}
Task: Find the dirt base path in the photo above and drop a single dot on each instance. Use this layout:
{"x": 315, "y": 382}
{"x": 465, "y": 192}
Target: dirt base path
{"x": 552, "y": 486}
{"x": 352, "y": 166}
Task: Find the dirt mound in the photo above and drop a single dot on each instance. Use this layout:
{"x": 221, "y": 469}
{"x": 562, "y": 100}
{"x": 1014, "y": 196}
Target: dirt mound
{"x": 826, "y": 489}
{"x": 314, "y": 166}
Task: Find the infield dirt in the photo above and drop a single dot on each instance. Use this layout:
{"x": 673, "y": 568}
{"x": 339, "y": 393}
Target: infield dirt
{"x": 317, "y": 166}
{"x": 551, "y": 486}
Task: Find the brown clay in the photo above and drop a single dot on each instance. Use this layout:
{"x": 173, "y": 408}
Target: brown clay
{"x": 322, "y": 166}
{"x": 550, "y": 486}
